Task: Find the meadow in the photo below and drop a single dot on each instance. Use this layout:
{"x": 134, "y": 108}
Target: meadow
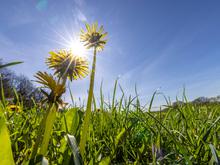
{"x": 119, "y": 131}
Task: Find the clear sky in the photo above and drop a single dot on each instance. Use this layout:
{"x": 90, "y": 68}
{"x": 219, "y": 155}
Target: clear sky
{"x": 165, "y": 44}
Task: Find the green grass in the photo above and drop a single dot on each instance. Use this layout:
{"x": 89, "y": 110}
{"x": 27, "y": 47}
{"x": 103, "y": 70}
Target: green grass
{"x": 121, "y": 131}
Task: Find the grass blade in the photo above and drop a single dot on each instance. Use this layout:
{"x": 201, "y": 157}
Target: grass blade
{"x": 75, "y": 150}
{"x": 214, "y": 154}
{"x": 10, "y": 64}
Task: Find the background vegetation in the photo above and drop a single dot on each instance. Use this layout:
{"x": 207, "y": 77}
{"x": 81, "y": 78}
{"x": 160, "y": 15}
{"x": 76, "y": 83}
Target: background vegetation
{"x": 122, "y": 131}
{"x": 25, "y": 90}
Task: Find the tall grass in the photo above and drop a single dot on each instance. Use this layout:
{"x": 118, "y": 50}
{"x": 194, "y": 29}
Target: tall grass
{"x": 123, "y": 131}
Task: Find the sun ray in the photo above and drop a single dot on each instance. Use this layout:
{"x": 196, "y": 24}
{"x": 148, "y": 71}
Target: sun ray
{"x": 69, "y": 40}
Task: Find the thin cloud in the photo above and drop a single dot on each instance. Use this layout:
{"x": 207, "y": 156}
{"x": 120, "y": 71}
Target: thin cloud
{"x": 80, "y": 3}
{"x": 80, "y": 16}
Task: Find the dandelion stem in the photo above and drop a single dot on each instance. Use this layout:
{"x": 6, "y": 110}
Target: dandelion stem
{"x": 85, "y": 127}
{"x": 48, "y": 129}
{"x": 40, "y": 132}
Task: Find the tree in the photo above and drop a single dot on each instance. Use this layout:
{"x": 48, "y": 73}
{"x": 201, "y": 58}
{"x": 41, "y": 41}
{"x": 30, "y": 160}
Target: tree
{"x": 26, "y": 91}
{"x": 6, "y": 83}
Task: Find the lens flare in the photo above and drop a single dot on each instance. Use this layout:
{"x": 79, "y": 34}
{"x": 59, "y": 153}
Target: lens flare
{"x": 68, "y": 39}
{"x": 77, "y": 47}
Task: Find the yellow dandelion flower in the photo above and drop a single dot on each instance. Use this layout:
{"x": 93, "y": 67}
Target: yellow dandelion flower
{"x": 94, "y": 36}
{"x": 56, "y": 88}
{"x": 68, "y": 65}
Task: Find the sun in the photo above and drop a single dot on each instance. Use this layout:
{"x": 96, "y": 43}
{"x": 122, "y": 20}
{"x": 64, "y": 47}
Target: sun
{"x": 77, "y": 47}
{"x": 70, "y": 40}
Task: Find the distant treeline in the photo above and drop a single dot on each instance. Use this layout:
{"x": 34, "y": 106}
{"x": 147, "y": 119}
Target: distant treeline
{"x": 17, "y": 87}
{"x": 200, "y": 101}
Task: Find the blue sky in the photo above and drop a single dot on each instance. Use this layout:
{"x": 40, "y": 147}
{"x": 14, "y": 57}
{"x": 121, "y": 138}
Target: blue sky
{"x": 164, "y": 45}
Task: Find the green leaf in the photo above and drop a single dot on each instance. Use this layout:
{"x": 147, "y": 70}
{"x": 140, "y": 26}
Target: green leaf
{"x": 119, "y": 137}
{"x": 72, "y": 120}
{"x": 10, "y": 64}
{"x": 105, "y": 161}
{"x": 6, "y": 156}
